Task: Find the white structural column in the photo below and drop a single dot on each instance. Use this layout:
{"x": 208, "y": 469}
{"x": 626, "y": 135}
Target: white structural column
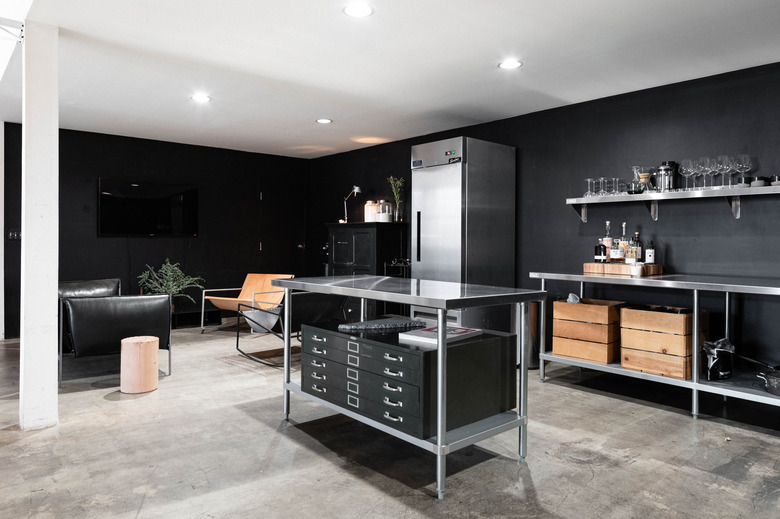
{"x": 40, "y": 228}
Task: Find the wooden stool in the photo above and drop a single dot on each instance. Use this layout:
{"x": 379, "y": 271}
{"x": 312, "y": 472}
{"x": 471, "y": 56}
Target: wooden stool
{"x": 138, "y": 371}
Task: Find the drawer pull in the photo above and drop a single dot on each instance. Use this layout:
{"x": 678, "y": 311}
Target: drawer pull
{"x": 392, "y": 373}
{"x": 393, "y": 403}
{"x": 394, "y": 358}
{"x": 317, "y": 338}
{"x": 317, "y": 364}
{"x": 319, "y": 389}
{"x": 394, "y": 418}
{"x": 387, "y": 386}
{"x": 317, "y": 376}
{"x": 318, "y": 351}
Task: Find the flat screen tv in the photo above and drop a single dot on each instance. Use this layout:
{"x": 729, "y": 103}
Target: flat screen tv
{"x": 130, "y": 208}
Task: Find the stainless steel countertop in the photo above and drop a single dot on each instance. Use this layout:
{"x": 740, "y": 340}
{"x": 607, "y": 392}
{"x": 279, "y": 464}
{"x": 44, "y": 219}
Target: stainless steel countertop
{"x": 736, "y": 284}
{"x": 420, "y": 292}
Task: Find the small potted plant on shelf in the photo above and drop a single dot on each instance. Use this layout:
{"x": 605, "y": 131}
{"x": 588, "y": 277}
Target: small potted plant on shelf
{"x": 170, "y": 279}
{"x": 397, "y": 184}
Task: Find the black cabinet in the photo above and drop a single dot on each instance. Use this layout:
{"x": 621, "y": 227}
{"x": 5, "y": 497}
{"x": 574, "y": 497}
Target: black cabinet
{"x": 395, "y": 384}
{"x": 365, "y": 248}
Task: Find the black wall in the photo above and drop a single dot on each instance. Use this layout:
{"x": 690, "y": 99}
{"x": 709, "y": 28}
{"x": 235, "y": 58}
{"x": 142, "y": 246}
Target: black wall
{"x": 233, "y": 219}
{"x": 557, "y": 149}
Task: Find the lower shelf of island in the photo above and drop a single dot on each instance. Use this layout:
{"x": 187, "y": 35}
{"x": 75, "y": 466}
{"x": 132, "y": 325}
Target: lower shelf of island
{"x": 456, "y": 438}
{"x": 743, "y": 385}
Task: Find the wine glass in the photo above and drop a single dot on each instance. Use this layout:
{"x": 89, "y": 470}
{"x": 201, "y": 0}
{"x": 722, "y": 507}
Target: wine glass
{"x": 687, "y": 170}
{"x": 725, "y": 164}
{"x": 602, "y": 186}
{"x": 707, "y": 169}
{"x": 589, "y": 187}
{"x": 742, "y": 164}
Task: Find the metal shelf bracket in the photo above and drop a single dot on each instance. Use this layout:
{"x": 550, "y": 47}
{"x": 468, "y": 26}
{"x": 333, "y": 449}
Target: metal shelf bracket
{"x": 582, "y": 211}
{"x": 735, "y": 204}
{"x": 652, "y": 206}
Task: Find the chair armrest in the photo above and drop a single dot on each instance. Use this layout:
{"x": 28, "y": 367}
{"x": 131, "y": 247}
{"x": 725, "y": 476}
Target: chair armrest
{"x": 218, "y": 290}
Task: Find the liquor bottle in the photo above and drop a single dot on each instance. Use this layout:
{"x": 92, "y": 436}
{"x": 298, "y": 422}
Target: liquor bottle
{"x": 607, "y": 239}
{"x": 631, "y": 251}
{"x": 650, "y": 253}
{"x": 623, "y": 240}
{"x": 639, "y": 246}
{"x": 616, "y": 253}
{"x": 600, "y": 253}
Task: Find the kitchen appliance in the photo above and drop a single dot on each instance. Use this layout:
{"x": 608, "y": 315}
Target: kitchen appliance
{"x": 463, "y": 221}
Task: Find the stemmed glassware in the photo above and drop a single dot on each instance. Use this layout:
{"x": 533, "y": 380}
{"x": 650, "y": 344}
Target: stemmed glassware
{"x": 687, "y": 170}
{"x": 589, "y": 187}
{"x": 704, "y": 166}
{"x": 742, "y": 164}
{"x": 601, "y": 184}
{"x": 725, "y": 165}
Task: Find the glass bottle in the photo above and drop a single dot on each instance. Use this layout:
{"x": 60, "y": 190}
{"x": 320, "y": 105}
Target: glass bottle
{"x": 600, "y": 253}
{"x": 639, "y": 246}
{"x": 616, "y": 253}
{"x": 650, "y": 253}
{"x": 607, "y": 239}
{"x": 623, "y": 241}
{"x": 631, "y": 257}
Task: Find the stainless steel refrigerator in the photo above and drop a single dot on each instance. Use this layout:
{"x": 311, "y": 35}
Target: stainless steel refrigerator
{"x": 463, "y": 220}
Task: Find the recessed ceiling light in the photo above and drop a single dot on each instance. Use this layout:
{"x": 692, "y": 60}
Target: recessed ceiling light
{"x": 509, "y": 64}
{"x": 358, "y": 10}
{"x": 324, "y": 120}
{"x": 200, "y": 97}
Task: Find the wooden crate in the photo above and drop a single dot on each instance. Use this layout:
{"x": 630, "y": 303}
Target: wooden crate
{"x": 588, "y": 311}
{"x": 658, "y": 363}
{"x": 659, "y": 342}
{"x": 589, "y": 330}
{"x": 620, "y": 269}
{"x": 603, "y": 353}
{"x": 662, "y": 322}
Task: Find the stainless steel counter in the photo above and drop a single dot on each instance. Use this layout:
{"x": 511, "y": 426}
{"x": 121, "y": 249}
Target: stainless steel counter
{"x": 739, "y": 386}
{"x": 441, "y": 296}
{"x": 741, "y": 285}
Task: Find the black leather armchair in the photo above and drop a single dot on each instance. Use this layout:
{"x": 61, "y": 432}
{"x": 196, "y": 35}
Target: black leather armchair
{"x": 95, "y": 317}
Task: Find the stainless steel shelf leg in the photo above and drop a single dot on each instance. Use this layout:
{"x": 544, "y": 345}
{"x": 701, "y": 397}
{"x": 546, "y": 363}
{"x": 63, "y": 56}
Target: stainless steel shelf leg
{"x": 696, "y": 354}
{"x": 363, "y": 308}
{"x": 727, "y": 315}
{"x": 524, "y": 338}
{"x": 287, "y": 349}
{"x": 441, "y": 402}
{"x": 542, "y": 332}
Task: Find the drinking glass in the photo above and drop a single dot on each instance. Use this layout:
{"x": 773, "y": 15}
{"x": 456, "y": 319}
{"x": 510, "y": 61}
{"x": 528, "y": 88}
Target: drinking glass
{"x": 725, "y": 165}
{"x": 601, "y": 184}
{"x": 615, "y": 186}
{"x": 687, "y": 170}
{"x": 589, "y": 182}
{"x": 742, "y": 164}
{"x": 707, "y": 169}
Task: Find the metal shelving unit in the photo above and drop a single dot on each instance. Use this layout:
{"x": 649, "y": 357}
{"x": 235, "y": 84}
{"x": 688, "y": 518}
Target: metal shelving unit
{"x": 441, "y": 296}
{"x": 732, "y": 195}
{"x": 741, "y": 385}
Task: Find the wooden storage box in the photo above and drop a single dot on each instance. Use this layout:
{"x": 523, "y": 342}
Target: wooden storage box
{"x": 620, "y": 269}
{"x": 659, "y": 342}
{"x": 589, "y": 330}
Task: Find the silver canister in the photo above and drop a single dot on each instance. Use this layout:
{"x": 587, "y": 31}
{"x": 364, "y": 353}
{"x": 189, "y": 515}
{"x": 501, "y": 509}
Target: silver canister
{"x": 664, "y": 176}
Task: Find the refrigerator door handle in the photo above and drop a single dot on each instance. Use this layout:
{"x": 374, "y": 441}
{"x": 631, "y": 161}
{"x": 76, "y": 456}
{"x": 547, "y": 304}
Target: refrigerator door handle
{"x": 418, "y": 235}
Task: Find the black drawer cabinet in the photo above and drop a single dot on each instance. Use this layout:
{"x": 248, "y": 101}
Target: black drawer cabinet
{"x": 395, "y": 384}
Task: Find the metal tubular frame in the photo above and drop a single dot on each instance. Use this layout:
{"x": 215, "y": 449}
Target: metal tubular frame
{"x": 445, "y": 441}
{"x": 737, "y": 388}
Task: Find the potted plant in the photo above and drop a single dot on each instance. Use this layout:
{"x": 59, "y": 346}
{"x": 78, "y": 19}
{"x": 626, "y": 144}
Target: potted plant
{"x": 170, "y": 279}
{"x": 397, "y": 184}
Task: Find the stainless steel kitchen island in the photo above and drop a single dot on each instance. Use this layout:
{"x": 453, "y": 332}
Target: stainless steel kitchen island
{"x": 441, "y": 296}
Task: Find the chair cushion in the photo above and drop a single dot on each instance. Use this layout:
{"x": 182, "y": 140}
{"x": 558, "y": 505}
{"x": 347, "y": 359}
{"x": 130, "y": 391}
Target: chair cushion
{"x": 90, "y": 288}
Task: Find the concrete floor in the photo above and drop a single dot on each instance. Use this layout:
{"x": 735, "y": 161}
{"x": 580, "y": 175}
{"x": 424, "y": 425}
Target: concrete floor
{"x": 211, "y": 442}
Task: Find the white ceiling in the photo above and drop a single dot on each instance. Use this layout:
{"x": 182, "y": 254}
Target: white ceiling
{"x": 415, "y": 67}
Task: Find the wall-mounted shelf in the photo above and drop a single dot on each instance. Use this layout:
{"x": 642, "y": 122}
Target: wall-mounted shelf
{"x": 732, "y": 196}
